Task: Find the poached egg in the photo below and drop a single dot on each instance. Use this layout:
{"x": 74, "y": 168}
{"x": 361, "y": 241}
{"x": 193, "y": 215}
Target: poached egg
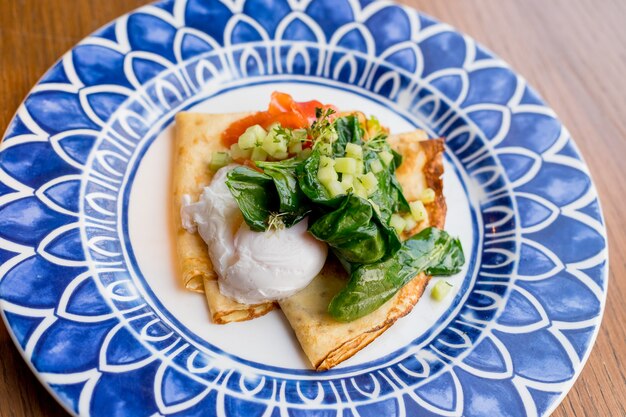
{"x": 252, "y": 267}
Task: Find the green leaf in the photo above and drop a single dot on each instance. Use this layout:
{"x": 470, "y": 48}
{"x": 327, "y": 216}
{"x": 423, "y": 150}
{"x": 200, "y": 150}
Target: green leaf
{"x": 255, "y": 194}
{"x": 355, "y": 232}
{"x": 401, "y": 203}
{"x": 388, "y": 197}
{"x": 397, "y": 158}
{"x": 306, "y": 173}
{"x": 293, "y": 203}
{"x": 432, "y": 251}
{"x": 348, "y": 130}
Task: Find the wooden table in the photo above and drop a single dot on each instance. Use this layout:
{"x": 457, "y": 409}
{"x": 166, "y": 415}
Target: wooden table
{"x": 572, "y": 51}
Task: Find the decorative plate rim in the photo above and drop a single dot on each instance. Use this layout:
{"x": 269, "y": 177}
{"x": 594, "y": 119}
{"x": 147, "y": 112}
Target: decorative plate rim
{"x": 160, "y": 10}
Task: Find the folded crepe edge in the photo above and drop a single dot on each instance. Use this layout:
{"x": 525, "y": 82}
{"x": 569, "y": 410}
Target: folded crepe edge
{"x": 196, "y": 136}
{"x": 407, "y": 297}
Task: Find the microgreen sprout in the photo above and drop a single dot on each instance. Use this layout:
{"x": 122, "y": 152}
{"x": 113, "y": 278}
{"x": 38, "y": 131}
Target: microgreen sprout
{"x": 275, "y": 221}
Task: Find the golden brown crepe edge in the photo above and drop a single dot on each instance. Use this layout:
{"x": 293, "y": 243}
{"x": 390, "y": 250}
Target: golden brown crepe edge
{"x": 406, "y": 299}
{"x": 433, "y": 171}
{"x": 230, "y": 310}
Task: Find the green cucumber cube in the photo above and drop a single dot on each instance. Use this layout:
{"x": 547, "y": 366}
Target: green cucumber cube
{"x": 397, "y": 222}
{"x": 237, "y": 153}
{"x": 428, "y": 196}
{"x": 334, "y": 188}
{"x": 386, "y": 156}
{"x": 376, "y": 166}
{"x": 358, "y": 188}
{"x": 354, "y": 151}
{"x": 345, "y": 165}
{"x": 295, "y": 147}
{"x": 258, "y": 154}
{"x": 219, "y": 160}
{"x": 418, "y": 211}
{"x": 304, "y": 154}
{"x": 327, "y": 174}
{"x": 252, "y": 137}
{"x": 441, "y": 290}
{"x": 370, "y": 182}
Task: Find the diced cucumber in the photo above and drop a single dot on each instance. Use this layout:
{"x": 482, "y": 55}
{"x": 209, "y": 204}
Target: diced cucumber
{"x": 441, "y": 290}
{"x": 328, "y": 136}
{"x": 345, "y": 165}
{"x": 327, "y": 174}
{"x": 273, "y": 144}
{"x": 258, "y": 154}
{"x": 410, "y": 222}
{"x": 370, "y": 183}
{"x": 346, "y": 181}
{"x": 386, "y": 156}
{"x": 326, "y": 162}
{"x": 219, "y": 160}
{"x": 325, "y": 148}
{"x": 299, "y": 135}
{"x": 358, "y": 188}
{"x": 428, "y": 196}
{"x": 279, "y": 156}
{"x": 334, "y": 188}
{"x": 418, "y": 211}
{"x": 360, "y": 167}
{"x": 304, "y": 154}
{"x": 397, "y": 222}
{"x": 354, "y": 151}
{"x": 295, "y": 147}
{"x": 237, "y": 153}
{"x": 253, "y": 136}
{"x": 376, "y": 166}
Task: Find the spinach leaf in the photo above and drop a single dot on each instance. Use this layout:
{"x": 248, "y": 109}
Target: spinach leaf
{"x": 355, "y": 232}
{"x": 388, "y": 196}
{"x": 306, "y": 173}
{"x": 432, "y": 251}
{"x": 401, "y": 202}
{"x": 385, "y": 197}
{"x": 348, "y": 130}
{"x": 293, "y": 203}
{"x": 255, "y": 194}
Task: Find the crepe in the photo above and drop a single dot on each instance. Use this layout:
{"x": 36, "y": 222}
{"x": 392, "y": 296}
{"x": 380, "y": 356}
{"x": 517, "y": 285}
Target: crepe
{"x": 197, "y": 136}
{"x": 327, "y": 342}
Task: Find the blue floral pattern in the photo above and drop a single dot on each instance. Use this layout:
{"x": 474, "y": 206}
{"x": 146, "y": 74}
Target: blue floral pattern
{"x": 520, "y": 330}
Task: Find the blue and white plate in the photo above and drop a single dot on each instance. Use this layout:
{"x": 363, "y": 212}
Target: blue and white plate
{"x": 88, "y": 286}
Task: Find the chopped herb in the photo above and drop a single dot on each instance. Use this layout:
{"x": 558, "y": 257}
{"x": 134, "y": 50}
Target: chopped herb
{"x": 283, "y": 134}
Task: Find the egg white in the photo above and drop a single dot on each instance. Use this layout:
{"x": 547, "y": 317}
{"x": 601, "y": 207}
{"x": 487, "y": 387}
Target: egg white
{"x": 252, "y": 267}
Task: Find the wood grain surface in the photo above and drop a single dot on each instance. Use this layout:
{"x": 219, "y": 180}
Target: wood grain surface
{"x": 572, "y": 51}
